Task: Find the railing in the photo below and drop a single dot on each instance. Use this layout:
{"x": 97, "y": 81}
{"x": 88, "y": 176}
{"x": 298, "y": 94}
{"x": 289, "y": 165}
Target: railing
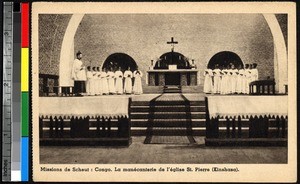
{"x": 250, "y": 130}
{"x": 45, "y": 87}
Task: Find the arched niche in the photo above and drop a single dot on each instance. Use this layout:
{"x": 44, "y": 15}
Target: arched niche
{"x": 224, "y": 59}
{"x": 116, "y": 60}
{"x": 172, "y": 58}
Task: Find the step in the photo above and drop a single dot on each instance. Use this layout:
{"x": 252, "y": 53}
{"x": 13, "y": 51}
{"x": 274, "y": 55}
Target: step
{"x": 173, "y": 108}
{"x": 114, "y": 141}
{"x": 169, "y": 115}
{"x": 246, "y": 142}
{"x": 144, "y": 103}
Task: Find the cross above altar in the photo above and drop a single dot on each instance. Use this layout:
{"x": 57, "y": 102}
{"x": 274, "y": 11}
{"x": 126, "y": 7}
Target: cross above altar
{"x": 172, "y": 42}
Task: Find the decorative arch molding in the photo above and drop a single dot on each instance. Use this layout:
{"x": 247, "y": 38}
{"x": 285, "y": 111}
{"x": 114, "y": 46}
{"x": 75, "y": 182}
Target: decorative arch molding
{"x": 67, "y": 51}
{"x": 280, "y": 53}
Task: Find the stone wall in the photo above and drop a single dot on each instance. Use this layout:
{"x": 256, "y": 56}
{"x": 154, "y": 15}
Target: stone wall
{"x": 144, "y": 37}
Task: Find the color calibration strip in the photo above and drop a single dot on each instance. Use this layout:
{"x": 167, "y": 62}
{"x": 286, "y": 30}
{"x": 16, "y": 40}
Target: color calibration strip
{"x": 24, "y": 89}
{"x": 15, "y": 144}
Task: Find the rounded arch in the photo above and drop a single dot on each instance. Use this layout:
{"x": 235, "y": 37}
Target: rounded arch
{"x": 172, "y": 58}
{"x": 117, "y": 60}
{"x": 224, "y": 59}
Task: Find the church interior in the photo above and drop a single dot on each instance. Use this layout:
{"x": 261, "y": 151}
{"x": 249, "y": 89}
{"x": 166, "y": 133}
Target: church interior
{"x": 173, "y": 120}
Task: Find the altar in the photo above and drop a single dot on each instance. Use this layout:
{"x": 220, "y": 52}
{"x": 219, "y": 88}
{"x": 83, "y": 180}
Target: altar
{"x": 179, "y": 77}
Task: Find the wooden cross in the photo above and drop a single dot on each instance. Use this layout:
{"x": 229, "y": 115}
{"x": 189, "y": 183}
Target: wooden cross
{"x": 172, "y": 42}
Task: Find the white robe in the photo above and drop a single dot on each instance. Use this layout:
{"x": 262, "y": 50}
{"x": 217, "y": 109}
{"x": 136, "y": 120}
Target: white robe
{"x": 93, "y": 83}
{"x": 240, "y": 81}
{"x": 217, "y": 80}
{"x": 247, "y": 80}
{"x": 104, "y": 83}
{"x": 78, "y": 71}
{"x": 89, "y": 77}
{"x": 224, "y": 82}
{"x": 234, "y": 78}
{"x": 128, "y": 82}
{"x": 208, "y": 86}
{"x": 111, "y": 82}
{"x": 137, "y": 88}
{"x": 98, "y": 85}
{"x": 119, "y": 82}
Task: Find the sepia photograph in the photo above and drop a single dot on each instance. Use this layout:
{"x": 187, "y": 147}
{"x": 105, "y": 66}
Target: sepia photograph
{"x": 164, "y": 92}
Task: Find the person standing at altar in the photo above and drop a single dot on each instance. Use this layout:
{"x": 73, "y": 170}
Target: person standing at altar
{"x": 137, "y": 87}
{"x": 104, "y": 82}
{"x": 208, "y": 83}
{"x": 79, "y": 75}
{"x": 89, "y": 77}
{"x": 98, "y": 81}
{"x": 254, "y": 72}
{"x": 119, "y": 81}
{"x": 217, "y": 79}
{"x": 128, "y": 81}
{"x": 111, "y": 81}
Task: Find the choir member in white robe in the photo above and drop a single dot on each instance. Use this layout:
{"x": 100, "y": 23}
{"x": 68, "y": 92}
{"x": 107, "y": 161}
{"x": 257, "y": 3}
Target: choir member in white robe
{"x": 225, "y": 81}
{"x": 89, "y": 77}
{"x": 240, "y": 81}
{"x": 137, "y": 87}
{"x": 104, "y": 82}
{"x": 234, "y": 79}
{"x": 93, "y": 81}
{"x": 254, "y": 75}
{"x": 217, "y": 79}
{"x": 247, "y": 78}
{"x": 128, "y": 81}
{"x": 78, "y": 74}
{"x": 119, "y": 81}
{"x": 111, "y": 82}
{"x": 98, "y": 86}
{"x": 208, "y": 85}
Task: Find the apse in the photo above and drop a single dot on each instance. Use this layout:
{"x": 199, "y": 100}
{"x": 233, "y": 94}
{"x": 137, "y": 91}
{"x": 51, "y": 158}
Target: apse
{"x": 116, "y": 60}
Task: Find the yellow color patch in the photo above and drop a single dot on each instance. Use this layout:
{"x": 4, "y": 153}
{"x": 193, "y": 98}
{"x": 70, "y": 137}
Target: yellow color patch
{"x": 24, "y": 69}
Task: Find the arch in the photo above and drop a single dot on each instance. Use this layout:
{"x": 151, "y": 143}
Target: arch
{"x": 172, "y": 58}
{"x": 67, "y": 51}
{"x": 117, "y": 60}
{"x": 224, "y": 58}
{"x": 280, "y": 53}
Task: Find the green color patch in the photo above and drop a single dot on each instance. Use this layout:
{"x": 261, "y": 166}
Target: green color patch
{"x": 25, "y": 115}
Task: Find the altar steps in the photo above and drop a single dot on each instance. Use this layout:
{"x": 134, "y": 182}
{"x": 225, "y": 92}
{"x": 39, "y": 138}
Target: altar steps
{"x": 171, "y": 115}
{"x": 172, "y": 89}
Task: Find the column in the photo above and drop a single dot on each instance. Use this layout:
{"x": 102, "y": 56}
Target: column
{"x": 161, "y": 79}
{"x": 151, "y": 79}
{"x": 183, "y": 79}
{"x": 193, "y": 79}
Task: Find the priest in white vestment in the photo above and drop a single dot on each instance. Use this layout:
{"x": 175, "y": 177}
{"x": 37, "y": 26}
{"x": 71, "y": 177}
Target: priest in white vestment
{"x": 224, "y": 81}
{"x": 104, "y": 82}
{"x": 208, "y": 85}
{"x": 111, "y": 82}
{"x": 137, "y": 87}
{"x": 78, "y": 74}
{"x": 128, "y": 81}
{"x": 119, "y": 81}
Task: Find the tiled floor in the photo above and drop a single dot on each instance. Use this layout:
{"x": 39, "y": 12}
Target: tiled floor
{"x": 139, "y": 153}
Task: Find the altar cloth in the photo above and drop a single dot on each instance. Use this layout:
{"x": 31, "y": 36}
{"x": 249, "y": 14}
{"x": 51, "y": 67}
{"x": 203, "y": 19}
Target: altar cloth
{"x": 233, "y": 106}
{"x": 97, "y": 106}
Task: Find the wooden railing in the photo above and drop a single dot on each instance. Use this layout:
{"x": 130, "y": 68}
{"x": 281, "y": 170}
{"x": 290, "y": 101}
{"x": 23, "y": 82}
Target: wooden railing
{"x": 44, "y": 89}
{"x": 251, "y": 130}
